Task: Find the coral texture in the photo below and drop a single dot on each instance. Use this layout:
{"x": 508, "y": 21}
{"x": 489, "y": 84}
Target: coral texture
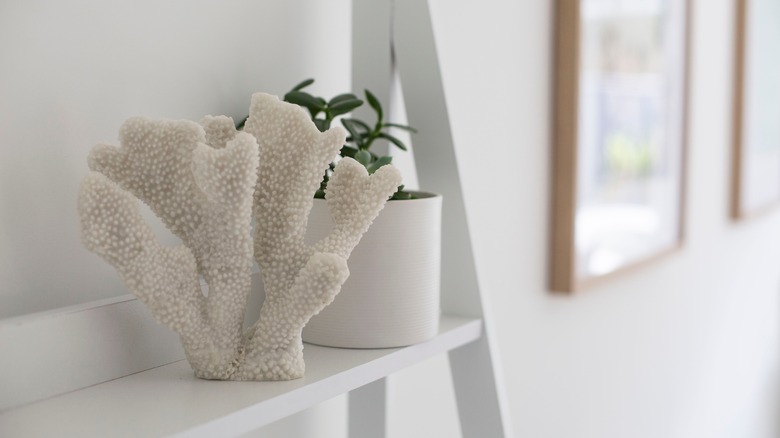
{"x": 207, "y": 182}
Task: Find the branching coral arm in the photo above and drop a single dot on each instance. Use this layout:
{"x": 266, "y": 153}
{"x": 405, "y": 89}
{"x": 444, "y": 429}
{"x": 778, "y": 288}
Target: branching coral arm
{"x": 355, "y": 199}
{"x": 300, "y": 281}
{"x": 226, "y": 178}
{"x": 275, "y": 351}
{"x": 153, "y": 163}
{"x": 165, "y": 279}
{"x": 295, "y": 156}
{"x": 204, "y": 195}
{"x": 219, "y": 130}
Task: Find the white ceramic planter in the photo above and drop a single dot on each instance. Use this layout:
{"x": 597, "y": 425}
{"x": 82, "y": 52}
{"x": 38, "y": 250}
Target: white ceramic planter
{"x": 391, "y": 298}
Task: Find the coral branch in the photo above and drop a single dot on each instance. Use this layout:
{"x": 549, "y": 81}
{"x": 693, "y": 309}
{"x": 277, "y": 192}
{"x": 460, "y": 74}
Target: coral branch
{"x": 204, "y": 196}
{"x": 226, "y": 177}
{"x": 153, "y": 164}
{"x": 276, "y": 349}
{"x": 163, "y": 278}
{"x": 354, "y": 200}
{"x": 219, "y": 130}
{"x": 295, "y": 156}
{"x": 290, "y": 173}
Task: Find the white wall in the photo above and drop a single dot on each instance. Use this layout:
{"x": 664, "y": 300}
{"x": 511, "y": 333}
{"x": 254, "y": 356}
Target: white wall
{"x": 72, "y": 71}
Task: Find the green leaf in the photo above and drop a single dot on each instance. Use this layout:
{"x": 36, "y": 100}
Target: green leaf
{"x": 347, "y": 151}
{"x": 350, "y": 127}
{"x": 399, "y": 126}
{"x": 363, "y": 157}
{"x": 344, "y": 107}
{"x": 373, "y": 167}
{"x": 240, "y": 125}
{"x": 361, "y": 124}
{"x": 392, "y": 140}
{"x": 401, "y": 195}
{"x": 305, "y": 100}
{"x": 303, "y": 84}
{"x": 321, "y": 124}
{"x": 374, "y": 102}
{"x": 320, "y": 193}
{"x": 342, "y": 98}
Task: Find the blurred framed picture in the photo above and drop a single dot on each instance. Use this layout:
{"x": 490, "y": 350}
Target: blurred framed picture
{"x": 756, "y": 129}
{"x": 619, "y": 136}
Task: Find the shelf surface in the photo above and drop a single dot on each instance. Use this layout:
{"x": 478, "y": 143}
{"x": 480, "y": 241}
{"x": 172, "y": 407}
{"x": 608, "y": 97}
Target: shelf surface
{"x": 169, "y": 400}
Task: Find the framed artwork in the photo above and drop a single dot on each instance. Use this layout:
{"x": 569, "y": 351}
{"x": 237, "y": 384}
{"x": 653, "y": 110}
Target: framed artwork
{"x": 756, "y": 129}
{"x": 619, "y": 136}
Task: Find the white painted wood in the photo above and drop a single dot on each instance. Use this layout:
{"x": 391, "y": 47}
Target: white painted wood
{"x": 368, "y": 410}
{"x": 169, "y": 400}
{"x": 426, "y": 109}
{"x": 62, "y": 350}
{"x": 481, "y": 400}
{"x": 49, "y": 353}
{"x": 482, "y": 405}
{"x": 371, "y": 57}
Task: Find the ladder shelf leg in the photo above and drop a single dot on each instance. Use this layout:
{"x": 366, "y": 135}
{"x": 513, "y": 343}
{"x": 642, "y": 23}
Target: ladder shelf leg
{"x": 367, "y": 410}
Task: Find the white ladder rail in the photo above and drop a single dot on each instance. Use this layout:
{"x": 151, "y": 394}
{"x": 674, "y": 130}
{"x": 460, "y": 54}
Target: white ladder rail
{"x": 476, "y": 375}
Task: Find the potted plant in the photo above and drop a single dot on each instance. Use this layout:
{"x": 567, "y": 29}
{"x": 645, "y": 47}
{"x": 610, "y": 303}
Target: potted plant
{"x": 391, "y": 297}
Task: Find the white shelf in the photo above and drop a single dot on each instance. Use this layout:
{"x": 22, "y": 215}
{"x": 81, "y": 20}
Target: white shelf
{"x": 169, "y": 400}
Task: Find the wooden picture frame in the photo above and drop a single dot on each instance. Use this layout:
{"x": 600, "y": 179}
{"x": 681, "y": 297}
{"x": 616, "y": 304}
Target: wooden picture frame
{"x": 619, "y": 136}
{"x": 755, "y": 180}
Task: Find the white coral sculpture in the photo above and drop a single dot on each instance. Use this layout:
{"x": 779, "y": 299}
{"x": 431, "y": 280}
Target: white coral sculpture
{"x": 207, "y": 182}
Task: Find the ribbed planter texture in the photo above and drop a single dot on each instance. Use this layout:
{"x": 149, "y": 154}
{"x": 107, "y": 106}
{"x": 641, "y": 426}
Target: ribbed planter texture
{"x": 391, "y": 297}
